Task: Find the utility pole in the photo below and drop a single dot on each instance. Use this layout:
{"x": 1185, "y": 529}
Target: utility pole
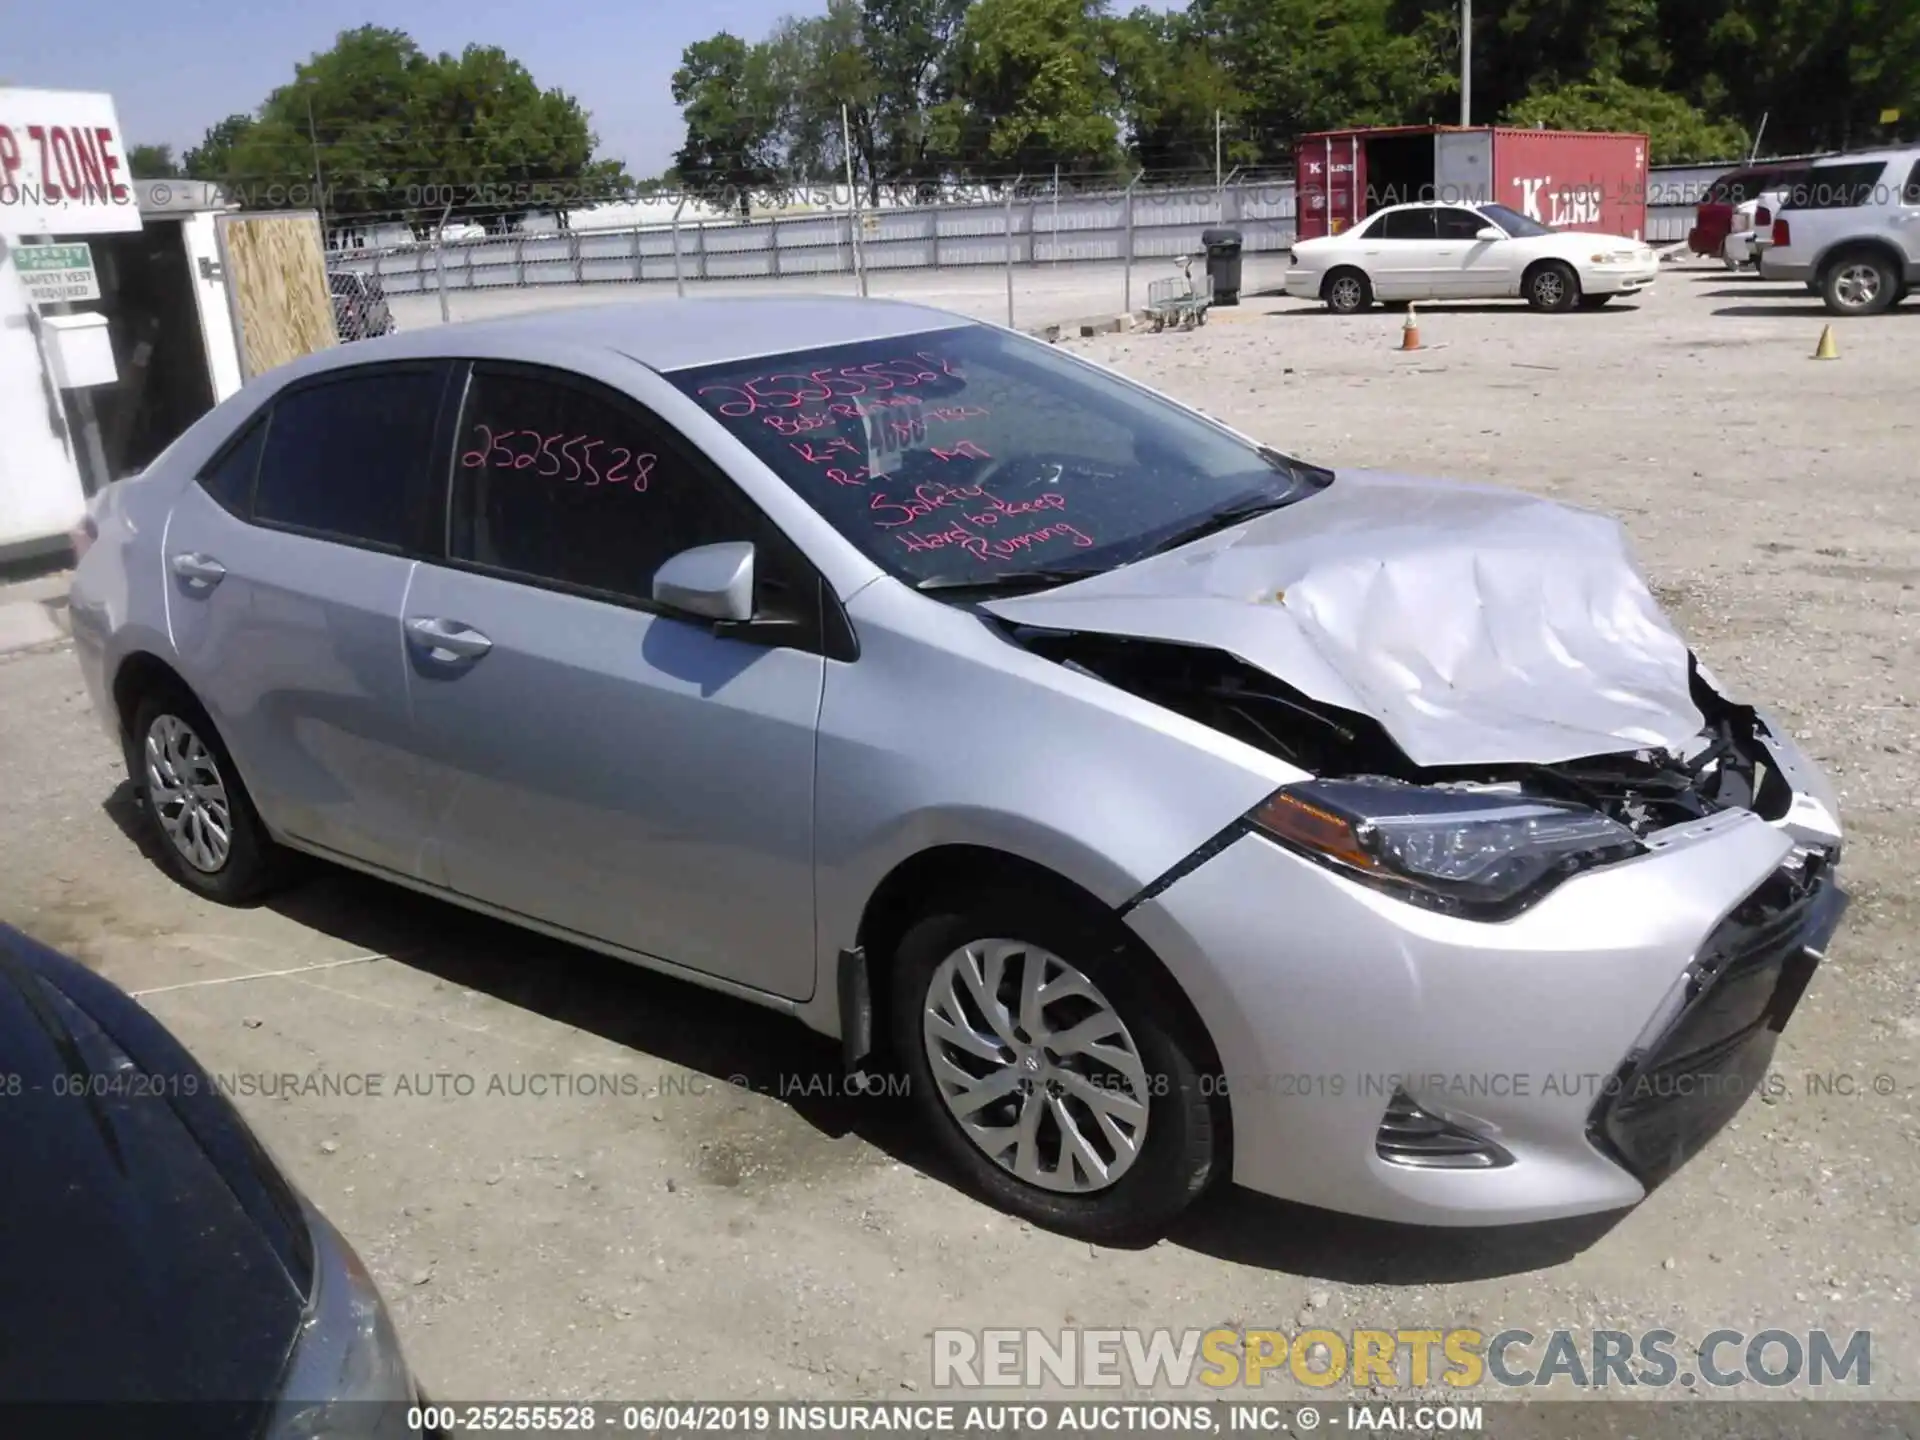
{"x": 319, "y": 181}
{"x": 853, "y": 202}
{"x": 1216, "y": 149}
{"x": 1466, "y": 62}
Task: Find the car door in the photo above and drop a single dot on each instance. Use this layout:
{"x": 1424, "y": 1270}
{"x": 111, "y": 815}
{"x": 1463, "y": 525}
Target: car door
{"x": 1402, "y": 256}
{"x": 1904, "y": 218}
{"x": 287, "y": 567}
{"x": 1478, "y": 269}
{"x": 602, "y": 765}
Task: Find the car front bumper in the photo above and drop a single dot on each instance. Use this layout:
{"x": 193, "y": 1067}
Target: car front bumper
{"x": 1583, "y": 1048}
{"x": 1303, "y": 284}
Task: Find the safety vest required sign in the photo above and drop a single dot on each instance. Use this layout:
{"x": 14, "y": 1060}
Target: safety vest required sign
{"x": 54, "y": 273}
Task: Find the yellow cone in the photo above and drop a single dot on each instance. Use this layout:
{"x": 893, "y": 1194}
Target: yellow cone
{"x": 1826, "y": 350}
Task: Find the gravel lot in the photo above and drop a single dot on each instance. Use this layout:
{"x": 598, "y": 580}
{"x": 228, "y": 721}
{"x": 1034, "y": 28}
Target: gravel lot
{"x": 733, "y": 1228}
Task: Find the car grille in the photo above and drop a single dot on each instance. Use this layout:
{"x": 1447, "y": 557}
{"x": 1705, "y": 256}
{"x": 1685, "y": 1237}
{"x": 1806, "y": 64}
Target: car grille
{"x": 1410, "y": 1136}
{"x": 1670, "y": 1099}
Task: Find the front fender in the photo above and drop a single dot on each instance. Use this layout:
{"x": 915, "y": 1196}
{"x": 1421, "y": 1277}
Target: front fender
{"x": 947, "y": 732}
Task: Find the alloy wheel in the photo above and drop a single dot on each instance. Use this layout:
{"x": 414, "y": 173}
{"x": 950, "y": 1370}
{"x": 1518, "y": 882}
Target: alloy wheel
{"x": 1857, "y": 285}
{"x": 1345, "y": 293}
{"x": 1036, "y": 1066}
{"x": 1550, "y": 288}
{"x": 187, "y": 793}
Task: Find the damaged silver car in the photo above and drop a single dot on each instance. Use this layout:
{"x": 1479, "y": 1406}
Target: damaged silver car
{"x": 1166, "y": 807}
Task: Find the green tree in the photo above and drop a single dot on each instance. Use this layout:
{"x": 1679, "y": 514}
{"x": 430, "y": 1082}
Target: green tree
{"x": 212, "y": 158}
{"x": 1172, "y": 92}
{"x": 1676, "y": 130}
{"x": 153, "y": 162}
{"x": 374, "y": 130}
{"x": 1305, "y": 65}
{"x": 725, "y": 90}
{"x": 907, "y": 43}
{"x": 1028, "y": 91}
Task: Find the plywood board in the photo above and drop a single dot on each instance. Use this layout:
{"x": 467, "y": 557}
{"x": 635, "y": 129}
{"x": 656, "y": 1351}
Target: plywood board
{"x": 276, "y": 274}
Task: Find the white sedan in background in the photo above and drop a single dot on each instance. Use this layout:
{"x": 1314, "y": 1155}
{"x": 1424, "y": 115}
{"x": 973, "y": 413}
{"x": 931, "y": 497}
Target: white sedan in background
{"x": 1466, "y": 252}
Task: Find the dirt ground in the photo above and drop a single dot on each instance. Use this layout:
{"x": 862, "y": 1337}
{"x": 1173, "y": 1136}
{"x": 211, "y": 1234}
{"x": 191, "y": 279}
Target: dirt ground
{"x": 723, "y": 1225}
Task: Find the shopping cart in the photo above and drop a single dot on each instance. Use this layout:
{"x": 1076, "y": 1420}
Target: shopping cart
{"x": 1181, "y": 300}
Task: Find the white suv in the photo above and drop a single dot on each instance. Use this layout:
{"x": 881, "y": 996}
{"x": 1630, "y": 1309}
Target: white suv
{"x": 1851, "y": 231}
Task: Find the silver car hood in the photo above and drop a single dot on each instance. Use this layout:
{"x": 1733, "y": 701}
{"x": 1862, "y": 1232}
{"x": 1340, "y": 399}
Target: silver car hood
{"x": 1478, "y": 625}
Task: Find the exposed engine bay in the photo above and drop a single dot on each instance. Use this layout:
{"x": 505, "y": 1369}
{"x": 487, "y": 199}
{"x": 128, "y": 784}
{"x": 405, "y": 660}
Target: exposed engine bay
{"x": 1724, "y": 767}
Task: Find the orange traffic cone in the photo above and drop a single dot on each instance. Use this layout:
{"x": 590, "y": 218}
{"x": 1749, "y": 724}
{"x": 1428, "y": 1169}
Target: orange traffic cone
{"x": 1410, "y": 332}
{"x": 1826, "y": 349}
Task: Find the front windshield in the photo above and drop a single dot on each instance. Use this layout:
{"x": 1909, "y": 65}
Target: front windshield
{"x": 972, "y": 456}
{"x": 1514, "y": 223}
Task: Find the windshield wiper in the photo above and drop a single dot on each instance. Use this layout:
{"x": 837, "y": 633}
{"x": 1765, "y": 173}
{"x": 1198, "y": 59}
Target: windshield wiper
{"x": 1223, "y": 519}
{"x": 1005, "y": 584}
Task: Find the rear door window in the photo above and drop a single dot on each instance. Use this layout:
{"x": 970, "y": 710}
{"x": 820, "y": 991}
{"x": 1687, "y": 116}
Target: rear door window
{"x": 1910, "y": 192}
{"x": 228, "y": 477}
{"x": 348, "y": 457}
{"x": 1838, "y": 187}
{"x": 1415, "y": 224}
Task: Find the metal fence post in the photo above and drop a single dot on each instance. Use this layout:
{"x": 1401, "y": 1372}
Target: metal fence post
{"x": 1011, "y": 192}
{"x": 1129, "y": 240}
{"x": 639, "y": 266}
{"x": 440, "y": 260}
{"x": 679, "y": 281}
{"x": 700, "y": 248}
{"x": 1055, "y": 246}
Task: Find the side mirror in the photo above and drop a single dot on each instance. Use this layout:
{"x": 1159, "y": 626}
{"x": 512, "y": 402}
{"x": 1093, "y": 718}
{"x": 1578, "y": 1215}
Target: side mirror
{"x": 711, "y": 581}
{"x": 1491, "y": 232}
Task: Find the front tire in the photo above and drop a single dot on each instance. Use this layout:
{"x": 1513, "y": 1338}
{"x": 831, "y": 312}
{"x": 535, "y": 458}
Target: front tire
{"x": 1348, "y": 292}
{"x": 1860, "y": 284}
{"x": 1553, "y": 287}
{"x": 211, "y": 839}
{"x": 1052, "y": 1061}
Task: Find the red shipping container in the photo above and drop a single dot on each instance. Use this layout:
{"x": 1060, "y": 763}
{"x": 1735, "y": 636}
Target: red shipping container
{"x": 1569, "y": 179}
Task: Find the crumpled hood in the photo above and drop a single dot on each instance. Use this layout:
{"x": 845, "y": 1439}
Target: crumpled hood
{"x": 1478, "y": 625}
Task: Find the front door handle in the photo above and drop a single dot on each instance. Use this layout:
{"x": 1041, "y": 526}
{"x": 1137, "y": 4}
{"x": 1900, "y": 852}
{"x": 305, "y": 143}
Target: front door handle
{"x": 445, "y": 640}
{"x": 200, "y": 569}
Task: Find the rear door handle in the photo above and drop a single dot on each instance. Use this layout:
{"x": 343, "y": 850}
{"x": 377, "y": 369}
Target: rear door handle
{"x": 445, "y": 640}
{"x": 200, "y": 569}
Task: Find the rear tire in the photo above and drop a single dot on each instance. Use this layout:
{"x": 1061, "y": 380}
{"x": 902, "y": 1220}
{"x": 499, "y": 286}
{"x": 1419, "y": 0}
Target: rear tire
{"x": 1348, "y": 292}
{"x": 1014, "y": 1081}
{"x": 1553, "y": 287}
{"x": 1862, "y": 283}
{"x": 211, "y": 839}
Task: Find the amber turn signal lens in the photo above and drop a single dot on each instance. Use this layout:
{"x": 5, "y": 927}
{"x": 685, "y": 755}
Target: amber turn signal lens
{"x": 1314, "y": 829}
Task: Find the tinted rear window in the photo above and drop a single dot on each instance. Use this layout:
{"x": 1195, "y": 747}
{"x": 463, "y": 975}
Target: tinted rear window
{"x": 1837, "y": 187}
{"x": 343, "y": 456}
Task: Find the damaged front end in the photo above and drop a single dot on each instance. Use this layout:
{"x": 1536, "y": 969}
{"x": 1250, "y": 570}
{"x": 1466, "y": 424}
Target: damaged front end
{"x": 1481, "y": 840}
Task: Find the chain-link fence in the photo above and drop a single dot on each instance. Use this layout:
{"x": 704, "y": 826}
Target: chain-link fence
{"x": 360, "y": 309}
{"x": 1013, "y": 225}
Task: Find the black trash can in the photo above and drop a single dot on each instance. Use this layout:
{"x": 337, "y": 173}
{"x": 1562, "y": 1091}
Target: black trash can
{"x": 1223, "y": 264}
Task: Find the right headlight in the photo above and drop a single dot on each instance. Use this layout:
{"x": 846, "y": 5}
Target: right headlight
{"x": 1479, "y": 853}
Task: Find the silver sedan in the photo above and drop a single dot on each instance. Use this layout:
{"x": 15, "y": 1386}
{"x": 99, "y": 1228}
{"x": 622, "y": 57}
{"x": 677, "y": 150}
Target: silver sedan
{"x": 1164, "y": 807}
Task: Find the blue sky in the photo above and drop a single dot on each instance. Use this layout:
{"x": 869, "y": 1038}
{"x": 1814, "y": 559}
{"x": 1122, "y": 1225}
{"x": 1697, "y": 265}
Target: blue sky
{"x": 175, "y": 69}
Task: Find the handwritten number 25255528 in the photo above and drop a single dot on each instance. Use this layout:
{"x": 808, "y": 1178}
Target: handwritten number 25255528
{"x": 559, "y": 456}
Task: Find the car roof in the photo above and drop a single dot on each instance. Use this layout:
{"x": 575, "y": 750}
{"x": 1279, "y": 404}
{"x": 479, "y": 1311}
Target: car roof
{"x": 665, "y": 334}
{"x": 1429, "y": 205}
{"x": 1857, "y": 157}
